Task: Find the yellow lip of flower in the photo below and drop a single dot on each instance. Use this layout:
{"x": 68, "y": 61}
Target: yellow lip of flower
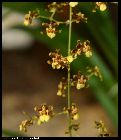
{"x": 47, "y": 117}
{"x": 58, "y": 66}
{"x": 79, "y": 86}
{"x": 59, "y": 93}
{"x": 23, "y": 129}
{"x": 103, "y": 7}
{"x": 54, "y": 64}
{"x": 44, "y": 118}
{"x": 20, "y": 127}
{"x": 50, "y": 32}
{"x": 51, "y": 35}
{"x": 39, "y": 122}
{"x": 26, "y": 22}
{"x": 73, "y": 4}
{"x": 76, "y": 117}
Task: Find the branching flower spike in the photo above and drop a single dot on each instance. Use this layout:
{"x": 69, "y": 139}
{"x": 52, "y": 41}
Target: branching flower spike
{"x": 50, "y": 27}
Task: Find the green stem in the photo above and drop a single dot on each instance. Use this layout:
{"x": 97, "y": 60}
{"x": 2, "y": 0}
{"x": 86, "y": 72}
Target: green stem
{"x": 69, "y": 47}
{"x": 60, "y": 113}
{"x": 52, "y": 15}
{"x": 25, "y": 113}
{"x": 51, "y": 19}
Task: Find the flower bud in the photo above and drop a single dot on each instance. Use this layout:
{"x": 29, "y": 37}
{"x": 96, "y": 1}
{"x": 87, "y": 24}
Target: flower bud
{"x": 73, "y": 4}
{"x": 70, "y": 58}
{"x": 103, "y": 7}
{"x": 88, "y": 54}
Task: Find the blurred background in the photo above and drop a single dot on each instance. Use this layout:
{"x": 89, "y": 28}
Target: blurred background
{"x": 28, "y": 81}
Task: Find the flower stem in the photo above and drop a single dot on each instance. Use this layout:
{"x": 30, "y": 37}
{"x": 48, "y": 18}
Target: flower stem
{"x": 52, "y": 19}
{"x": 69, "y": 47}
{"x": 52, "y": 15}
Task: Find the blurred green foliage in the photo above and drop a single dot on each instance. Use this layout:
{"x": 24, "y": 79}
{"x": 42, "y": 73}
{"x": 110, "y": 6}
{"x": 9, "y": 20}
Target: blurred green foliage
{"x": 100, "y": 30}
{"x": 9, "y": 133}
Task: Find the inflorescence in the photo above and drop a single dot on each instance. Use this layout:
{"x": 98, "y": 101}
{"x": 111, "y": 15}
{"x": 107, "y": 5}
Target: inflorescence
{"x": 57, "y": 61}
